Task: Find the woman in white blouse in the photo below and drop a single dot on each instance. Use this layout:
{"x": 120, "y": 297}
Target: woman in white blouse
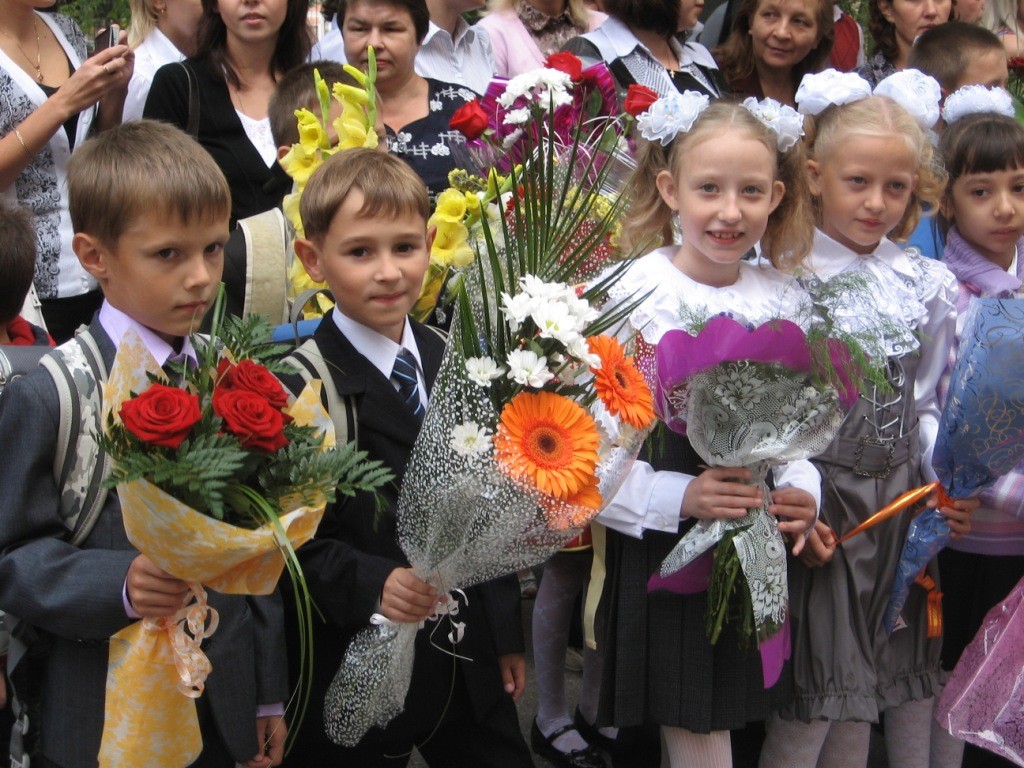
{"x": 161, "y": 32}
{"x": 51, "y": 97}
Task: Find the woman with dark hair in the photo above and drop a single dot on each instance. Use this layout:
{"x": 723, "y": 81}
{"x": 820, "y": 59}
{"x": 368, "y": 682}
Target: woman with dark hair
{"x": 221, "y": 95}
{"x": 51, "y": 98}
{"x": 416, "y": 109}
{"x": 773, "y": 44}
{"x": 894, "y": 26}
{"x": 646, "y": 42}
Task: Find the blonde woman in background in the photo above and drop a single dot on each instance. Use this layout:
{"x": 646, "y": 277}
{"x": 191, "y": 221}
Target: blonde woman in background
{"x": 525, "y": 32}
{"x": 1004, "y": 18}
{"x": 161, "y": 32}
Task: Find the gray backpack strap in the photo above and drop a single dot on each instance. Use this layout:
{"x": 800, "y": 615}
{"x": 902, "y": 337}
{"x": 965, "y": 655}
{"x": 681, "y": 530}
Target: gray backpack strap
{"x": 267, "y": 244}
{"x": 79, "y": 464}
{"x": 310, "y": 364}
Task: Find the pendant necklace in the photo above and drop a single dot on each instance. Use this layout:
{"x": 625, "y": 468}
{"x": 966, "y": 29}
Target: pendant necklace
{"x": 39, "y": 49}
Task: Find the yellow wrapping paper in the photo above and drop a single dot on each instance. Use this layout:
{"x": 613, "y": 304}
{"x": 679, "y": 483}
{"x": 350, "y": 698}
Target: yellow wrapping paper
{"x": 150, "y": 716}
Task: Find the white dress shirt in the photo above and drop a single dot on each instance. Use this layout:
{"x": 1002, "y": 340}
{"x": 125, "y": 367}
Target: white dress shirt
{"x": 464, "y": 60}
{"x": 380, "y": 350}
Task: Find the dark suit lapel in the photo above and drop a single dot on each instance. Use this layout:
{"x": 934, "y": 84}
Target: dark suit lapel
{"x": 380, "y": 407}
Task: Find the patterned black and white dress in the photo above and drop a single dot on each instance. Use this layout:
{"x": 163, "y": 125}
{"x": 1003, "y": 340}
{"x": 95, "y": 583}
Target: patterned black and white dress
{"x": 42, "y": 185}
{"x": 426, "y": 144}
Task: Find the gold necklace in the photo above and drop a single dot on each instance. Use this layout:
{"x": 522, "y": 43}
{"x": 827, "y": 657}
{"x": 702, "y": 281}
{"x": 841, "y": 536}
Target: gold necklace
{"x": 39, "y": 49}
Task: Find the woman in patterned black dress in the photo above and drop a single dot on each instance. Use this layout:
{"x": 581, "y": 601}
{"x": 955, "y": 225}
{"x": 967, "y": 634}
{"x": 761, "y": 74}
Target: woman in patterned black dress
{"x": 416, "y": 109}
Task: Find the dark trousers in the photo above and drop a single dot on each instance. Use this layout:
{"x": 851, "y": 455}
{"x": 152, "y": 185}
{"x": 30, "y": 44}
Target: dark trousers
{"x": 456, "y": 739}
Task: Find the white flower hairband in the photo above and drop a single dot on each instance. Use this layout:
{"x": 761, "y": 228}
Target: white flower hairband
{"x": 671, "y": 115}
{"x": 976, "y": 99}
{"x": 915, "y": 91}
{"x": 677, "y": 112}
{"x": 785, "y": 122}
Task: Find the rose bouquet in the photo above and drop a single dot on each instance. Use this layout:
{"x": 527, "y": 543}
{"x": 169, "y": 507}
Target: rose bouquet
{"x": 755, "y": 398}
{"x": 1015, "y": 81}
{"x": 220, "y": 477}
{"x": 534, "y": 419}
{"x": 567, "y": 108}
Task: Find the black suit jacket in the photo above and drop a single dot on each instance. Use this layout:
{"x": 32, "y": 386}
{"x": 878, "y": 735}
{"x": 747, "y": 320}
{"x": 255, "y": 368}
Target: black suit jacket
{"x": 356, "y": 549}
{"x": 74, "y": 594}
{"x": 255, "y": 187}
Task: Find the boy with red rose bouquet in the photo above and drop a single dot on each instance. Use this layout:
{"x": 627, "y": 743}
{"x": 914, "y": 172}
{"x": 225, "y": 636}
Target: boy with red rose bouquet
{"x": 150, "y": 211}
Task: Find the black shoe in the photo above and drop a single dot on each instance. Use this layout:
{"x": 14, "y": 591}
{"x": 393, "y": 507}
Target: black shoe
{"x": 579, "y": 758}
{"x": 593, "y": 736}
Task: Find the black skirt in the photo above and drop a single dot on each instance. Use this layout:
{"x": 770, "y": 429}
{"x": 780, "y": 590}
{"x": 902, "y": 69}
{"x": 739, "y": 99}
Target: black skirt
{"x": 659, "y": 665}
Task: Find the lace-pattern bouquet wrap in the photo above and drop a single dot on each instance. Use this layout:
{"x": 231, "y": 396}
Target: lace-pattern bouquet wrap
{"x": 980, "y": 438}
{"x": 536, "y": 415}
{"x": 220, "y": 478}
{"x": 756, "y": 398}
{"x": 984, "y": 698}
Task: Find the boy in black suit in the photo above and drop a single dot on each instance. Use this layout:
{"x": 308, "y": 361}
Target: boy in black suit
{"x": 364, "y": 215}
{"x": 150, "y": 210}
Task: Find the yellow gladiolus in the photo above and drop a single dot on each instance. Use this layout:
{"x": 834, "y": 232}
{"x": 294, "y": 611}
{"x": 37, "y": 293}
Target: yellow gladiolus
{"x": 311, "y": 132}
{"x": 451, "y": 207}
{"x": 347, "y": 93}
{"x": 472, "y": 204}
{"x": 300, "y": 163}
{"x": 451, "y": 247}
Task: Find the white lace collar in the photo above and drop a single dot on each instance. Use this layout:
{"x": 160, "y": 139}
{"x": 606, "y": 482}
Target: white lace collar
{"x": 761, "y": 293}
{"x": 884, "y": 310}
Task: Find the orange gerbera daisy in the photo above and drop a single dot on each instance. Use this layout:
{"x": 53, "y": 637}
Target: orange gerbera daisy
{"x": 619, "y": 384}
{"x": 574, "y": 512}
{"x": 548, "y": 440}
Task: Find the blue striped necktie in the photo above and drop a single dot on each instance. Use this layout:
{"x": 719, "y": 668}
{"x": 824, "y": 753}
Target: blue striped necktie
{"x": 404, "y": 375}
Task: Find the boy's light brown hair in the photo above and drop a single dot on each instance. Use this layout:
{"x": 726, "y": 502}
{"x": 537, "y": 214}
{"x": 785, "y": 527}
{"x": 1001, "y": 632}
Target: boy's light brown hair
{"x": 945, "y": 51}
{"x": 389, "y": 187}
{"x": 17, "y": 258}
{"x": 297, "y": 90}
{"x": 139, "y": 167}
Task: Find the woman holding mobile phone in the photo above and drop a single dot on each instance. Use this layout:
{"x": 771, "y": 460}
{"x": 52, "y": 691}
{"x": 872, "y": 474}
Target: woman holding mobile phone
{"x": 244, "y": 47}
{"x": 51, "y": 97}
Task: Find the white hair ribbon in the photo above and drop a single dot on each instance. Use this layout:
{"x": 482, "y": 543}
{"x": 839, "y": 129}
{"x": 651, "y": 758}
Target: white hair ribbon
{"x": 671, "y": 115}
{"x": 976, "y": 99}
{"x": 784, "y": 121}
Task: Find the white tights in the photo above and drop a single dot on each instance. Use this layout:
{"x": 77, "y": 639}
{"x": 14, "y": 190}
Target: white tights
{"x": 681, "y": 748}
{"x": 818, "y": 744}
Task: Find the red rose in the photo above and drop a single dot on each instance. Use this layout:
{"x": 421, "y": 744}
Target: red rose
{"x": 639, "y": 99}
{"x": 161, "y": 415}
{"x": 252, "y": 377}
{"x": 250, "y": 417}
{"x": 470, "y": 120}
{"x": 566, "y": 62}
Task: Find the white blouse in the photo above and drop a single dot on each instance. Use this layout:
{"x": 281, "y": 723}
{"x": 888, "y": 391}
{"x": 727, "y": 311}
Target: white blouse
{"x": 650, "y": 499}
{"x": 153, "y": 52}
{"x": 908, "y": 301}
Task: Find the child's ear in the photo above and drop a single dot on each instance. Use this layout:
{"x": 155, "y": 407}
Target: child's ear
{"x": 778, "y": 192}
{"x": 309, "y": 255}
{"x": 431, "y": 234}
{"x": 666, "y": 184}
{"x": 814, "y": 177}
{"x": 92, "y": 254}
